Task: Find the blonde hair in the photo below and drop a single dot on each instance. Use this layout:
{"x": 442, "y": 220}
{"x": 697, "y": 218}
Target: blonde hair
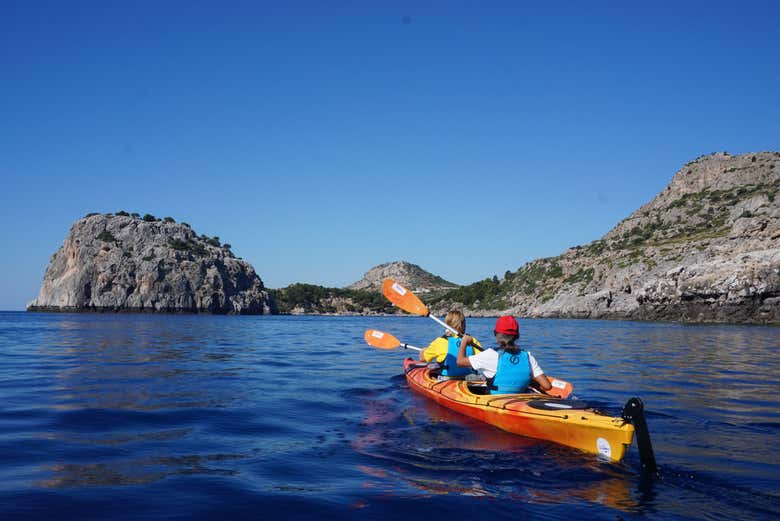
{"x": 456, "y": 320}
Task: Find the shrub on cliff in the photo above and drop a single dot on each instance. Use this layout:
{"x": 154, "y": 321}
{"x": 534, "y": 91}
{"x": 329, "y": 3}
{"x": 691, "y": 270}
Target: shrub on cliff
{"x": 191, "y": 246}
{"x": 106, "y": 236}
{"x": 178, "y": 244}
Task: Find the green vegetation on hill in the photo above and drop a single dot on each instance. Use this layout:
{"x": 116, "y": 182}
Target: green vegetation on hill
{"x": 197, "y": 245}
{"x": 439, "y": 281}
{"x": 193, "y": 246}
{"x": 527, "y": 279}
{"x": 485, "y": 294}
{"x": 318, "y": 299}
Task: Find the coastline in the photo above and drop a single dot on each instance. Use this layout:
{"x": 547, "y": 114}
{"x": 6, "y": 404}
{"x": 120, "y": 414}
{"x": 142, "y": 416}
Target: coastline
{"x": 146, "y": 311}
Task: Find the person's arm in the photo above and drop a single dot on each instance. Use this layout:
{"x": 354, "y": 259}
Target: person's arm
{"x": 423, "y": 352}
{"x": 543, "y": 382}
{"x": 538, "y": 375}
{"x": 436, "y": 351}
{"x": 463, "y": 360}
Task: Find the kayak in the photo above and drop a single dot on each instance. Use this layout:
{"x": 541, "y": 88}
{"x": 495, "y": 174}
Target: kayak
{"x": 567, "y": 422}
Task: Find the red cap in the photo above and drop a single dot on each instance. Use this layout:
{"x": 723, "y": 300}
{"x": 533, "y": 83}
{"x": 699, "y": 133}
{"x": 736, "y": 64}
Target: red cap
{"x": 507, "y": 325}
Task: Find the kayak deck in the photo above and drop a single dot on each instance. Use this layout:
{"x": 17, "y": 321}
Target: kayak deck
{"x": 532, "y": 415}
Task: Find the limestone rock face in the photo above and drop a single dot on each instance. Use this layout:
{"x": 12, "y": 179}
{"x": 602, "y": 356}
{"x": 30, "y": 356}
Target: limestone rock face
{"x": 410, "y": 275}
{"x": 706, "y": 249}
{"x": 124, "y": 263}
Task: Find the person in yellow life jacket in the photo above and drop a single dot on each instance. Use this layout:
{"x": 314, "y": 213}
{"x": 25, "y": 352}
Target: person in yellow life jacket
{"x": 444, "y": 349}
{"x": 508, "y": 369}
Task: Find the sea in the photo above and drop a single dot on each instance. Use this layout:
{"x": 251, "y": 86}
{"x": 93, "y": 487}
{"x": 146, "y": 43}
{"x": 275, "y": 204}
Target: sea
{"x": 168, "y": 417}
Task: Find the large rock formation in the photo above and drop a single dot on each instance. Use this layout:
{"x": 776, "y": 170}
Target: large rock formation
{"x": 125, "y": 263}
{"x": 410, "y": 275}
{"x": 706, "y": 249}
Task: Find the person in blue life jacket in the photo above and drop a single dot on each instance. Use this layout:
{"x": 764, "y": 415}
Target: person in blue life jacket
{"x": 508, "y": 369}
{"x": 444, "y": 349}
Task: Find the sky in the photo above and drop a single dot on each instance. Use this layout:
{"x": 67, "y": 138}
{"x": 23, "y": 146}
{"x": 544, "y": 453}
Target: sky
{"x": 322, "y": 138}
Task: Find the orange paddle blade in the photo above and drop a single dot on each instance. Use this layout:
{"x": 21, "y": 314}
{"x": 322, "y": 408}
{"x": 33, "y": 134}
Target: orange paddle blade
{"x": 403, "y": 298}
{"x": 560, "y": 388}
{"x": 381, "y": 339}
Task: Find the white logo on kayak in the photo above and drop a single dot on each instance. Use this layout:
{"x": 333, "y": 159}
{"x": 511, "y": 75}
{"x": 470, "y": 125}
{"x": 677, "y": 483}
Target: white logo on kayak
{"x": 399, "y": 289}
{"x": 557, "y": 405}
{"x": 377, "y": 334}
{"x": 558, "y": 384}
{"x": 604, "y": 447}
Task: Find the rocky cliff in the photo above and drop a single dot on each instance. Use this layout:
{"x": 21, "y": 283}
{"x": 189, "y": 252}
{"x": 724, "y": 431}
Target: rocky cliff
{"x": 410, "y": 275}
{"x": 706, "y": 249}
{"x": 128, "y": 263}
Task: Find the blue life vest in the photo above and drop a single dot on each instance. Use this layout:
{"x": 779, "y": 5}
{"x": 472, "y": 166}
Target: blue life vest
{"x": 513, "y": 374}
{"x": 449, "y": 367}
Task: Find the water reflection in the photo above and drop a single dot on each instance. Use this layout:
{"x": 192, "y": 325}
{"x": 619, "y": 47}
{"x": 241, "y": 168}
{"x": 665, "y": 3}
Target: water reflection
{"x": 141, "y": 363}
{"x": 151, "y": 386}
{"x": 138, "y": 472}
{"x": 431, "y": 450}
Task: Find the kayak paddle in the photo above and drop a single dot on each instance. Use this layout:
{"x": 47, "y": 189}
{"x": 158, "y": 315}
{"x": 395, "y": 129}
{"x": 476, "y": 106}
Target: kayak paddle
{"x": 409, "y": 302}
{"x": 384, "y": 340}
{"x": 560, "y": 388}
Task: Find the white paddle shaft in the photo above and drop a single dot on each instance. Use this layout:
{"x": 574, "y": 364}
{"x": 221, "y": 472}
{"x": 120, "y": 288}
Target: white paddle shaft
{"x": 407, "y": 346}
{"x": 445, "y": 325}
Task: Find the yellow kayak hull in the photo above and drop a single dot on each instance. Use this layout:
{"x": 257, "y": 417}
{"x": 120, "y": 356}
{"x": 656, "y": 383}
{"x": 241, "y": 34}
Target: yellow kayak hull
{"x": 532, "y": 415}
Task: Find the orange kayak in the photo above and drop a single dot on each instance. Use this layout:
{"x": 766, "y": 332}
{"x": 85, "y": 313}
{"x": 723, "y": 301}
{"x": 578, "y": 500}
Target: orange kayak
{"x": 568, "y": 422}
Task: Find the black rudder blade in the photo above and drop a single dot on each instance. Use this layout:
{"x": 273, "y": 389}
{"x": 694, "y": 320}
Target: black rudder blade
{"x": 634, "y": 412}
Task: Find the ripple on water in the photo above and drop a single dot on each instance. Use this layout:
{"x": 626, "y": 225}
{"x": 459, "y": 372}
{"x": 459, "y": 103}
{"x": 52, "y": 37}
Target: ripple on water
{"x": 176, "y": 417}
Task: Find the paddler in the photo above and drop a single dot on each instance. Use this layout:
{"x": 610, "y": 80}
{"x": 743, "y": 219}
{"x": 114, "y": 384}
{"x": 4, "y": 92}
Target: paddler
{"x": 508, "y": 369}
{"x": 444, "y": 349}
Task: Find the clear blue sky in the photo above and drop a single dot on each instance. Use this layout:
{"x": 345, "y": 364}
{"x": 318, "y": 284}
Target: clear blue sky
{"x": 322, "y": 140}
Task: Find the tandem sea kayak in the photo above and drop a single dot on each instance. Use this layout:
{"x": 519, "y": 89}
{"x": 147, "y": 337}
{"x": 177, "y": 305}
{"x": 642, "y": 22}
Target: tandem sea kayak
{"x": 567, "y": 422}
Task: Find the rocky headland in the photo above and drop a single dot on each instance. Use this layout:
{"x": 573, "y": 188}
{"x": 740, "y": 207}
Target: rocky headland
{"x": 706, "y": 249}
{"x": 410, "y": 275}
{"x": 362, "y": 297}
{"x": 126, "y": 262}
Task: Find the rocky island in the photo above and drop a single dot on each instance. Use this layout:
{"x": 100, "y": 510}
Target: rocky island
{"x": 124, "y": 262}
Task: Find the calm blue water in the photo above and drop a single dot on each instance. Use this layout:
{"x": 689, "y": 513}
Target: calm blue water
{"x": 203, "y": 417}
